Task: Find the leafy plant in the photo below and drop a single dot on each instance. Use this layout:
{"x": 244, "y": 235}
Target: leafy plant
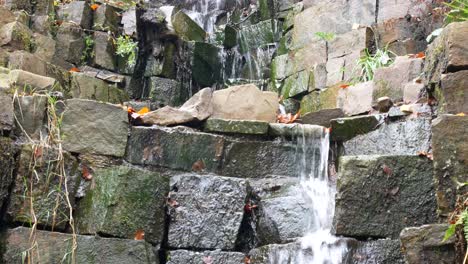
{"x": 327, "y": 36}
{"x": 88, "y": 52}
{"x": 127, "y": 48}
{"x": 458, "y": 11}
{"x": 371, "y": 62}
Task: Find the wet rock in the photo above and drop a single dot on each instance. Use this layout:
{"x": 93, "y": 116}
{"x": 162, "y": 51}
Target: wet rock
{"x": 39, "y": 173}
{"x": 347, "y": 128}
{"x": 322, "y": 117}
{"x": 356, "y": 99}
{"x": 257, "y": 35}
{"x": 29, "y": 81}
{"x": 186, "y": 28}
{"x": 450, "y": 146}
{"x": 245, "y": 102}
{"x": 382, "y": 251}
{"x": 78, "y": 12}
{"x": 399, "y": 193}
{"x": 198, "y": 223}
{"x": 452, "y": 94}
{"x": 176, "y": 148}
{"x": 297, "y": 84}
{"x": 196, "y": 109}
{"x": 425, "y": 244}
{"x": 70, "y": 45}
{"x": 236, "y": 126}
{"x": 7, "y": 117}
{"x": 391, "y": 80}
{"x": 8, "y": 162}
{"x": 107, "y": 18}
{"x": 320, "y": 100}
{"x": 397, "y": 138}
{"x": 30, "y": 112}
{"x": 86, "y": 87}
{"x": 294, "y": 130}
{"x": 55, "y": 247}
{"x": 165, "y": 91}
{"x": 206, "y": 63}
{"x": 82, "y": 125}
{"x": 26, "y": 61}
{"x": 447, "y": 53}
{"x": 122, "y": 200}
{"x": 104, "y": 51}
{"x": 278, "y": 253}
{"x": 283, "y": 213}
{"x": 16, "y": 35}
{"x": 384, "y": 104}
{"x": 193, "y": 257}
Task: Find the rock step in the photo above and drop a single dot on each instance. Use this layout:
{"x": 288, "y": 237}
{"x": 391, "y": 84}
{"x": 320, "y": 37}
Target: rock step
{"x": 182, "y": 148}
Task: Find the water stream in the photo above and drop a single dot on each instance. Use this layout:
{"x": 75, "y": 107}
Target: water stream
{"x": 318, "y": 245}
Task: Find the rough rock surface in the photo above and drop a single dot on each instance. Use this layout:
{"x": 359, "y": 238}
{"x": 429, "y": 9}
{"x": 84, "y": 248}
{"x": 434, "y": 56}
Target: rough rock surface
{"x": 30, "y": 112}
{"x": 452, "y": 94}
{"x": 7, "y": 117}
{"x": 356, "y": 99}
{"x": 176, "y": 148}
{"x": 8, "y": 159}
{"x": 193, "y": 257}
{"x": 236, "y": 126}
{"x": 197, "y": 223}
{"x": 382, "y": 251}
{"x": 82, "y": 127}
{"x": 399, "y": 193}
{"x": 322, "y": 117}
{"x": 122, "y": 200}
{"x": 30, "y": 81}
{"x": 347, "y": 128}
{"x": 87, "y": 87}
{"x": 399, "y": 138}
{"x": 245, "y": 102}
{"x": 55, "y": 247}
{"x": 450, "y": 146}
{"x": 424, "y": 244}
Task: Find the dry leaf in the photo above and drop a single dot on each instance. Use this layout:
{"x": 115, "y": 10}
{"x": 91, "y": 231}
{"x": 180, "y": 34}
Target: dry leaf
{"x": 344, "y": 86}
{"x": 198, "y": 166}
{"x": 287, "y": 118}
{"x": 387, "y": 170}
{"x": 74, "y": 69}
{"x": 87, "y": 176}
{"x": 94, "y": 7}
{"x": 139, "y": 234}
{"x": 143, "y": 111}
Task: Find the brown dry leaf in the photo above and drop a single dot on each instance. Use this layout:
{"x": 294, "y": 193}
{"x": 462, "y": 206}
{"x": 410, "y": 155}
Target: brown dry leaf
{"x": 139, "y": 235}
{"x": 344, "y": 86}
{"x": 143, "y": 111}
{"x": 86, "y": 175}
{"x": 387, "y": 170}
{"x": 198, "y": 166}
{"x": 94, "y": 7}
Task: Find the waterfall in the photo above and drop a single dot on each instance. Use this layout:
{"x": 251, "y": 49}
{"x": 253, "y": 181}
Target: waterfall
{"x": 205, "y": 13}
{"x": 318, "y": 245}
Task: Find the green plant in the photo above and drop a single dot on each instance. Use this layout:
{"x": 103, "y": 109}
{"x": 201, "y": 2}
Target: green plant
{"x": 368, "y": 63}
{"x": 458, "y": 11}
{"x": 126, "y": 48}
{"x": 88, "y": 51}
{"x": 327, "y": 36}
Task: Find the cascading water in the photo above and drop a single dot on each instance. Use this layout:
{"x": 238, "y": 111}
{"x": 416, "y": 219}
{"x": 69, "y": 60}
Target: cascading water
{"x": 318, "y": 245}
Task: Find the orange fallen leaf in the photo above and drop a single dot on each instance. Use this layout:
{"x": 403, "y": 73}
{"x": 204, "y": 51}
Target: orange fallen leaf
{"x": 37, "y": 152}
{"x": 344, "y": 86}
{"x": 287, "y": 118}
{"x": 139, "y": 234}
{"x": 74, "y": 69}
{"x": 143, "y": 111}
{"x": 246, "y": 260}
{"x": 421, "y": 55}
{"x": 387, "y": 170}
{"x": 461, "y": 114}
{"x": 86, "y": 174}
{"x": 94, "y": 7}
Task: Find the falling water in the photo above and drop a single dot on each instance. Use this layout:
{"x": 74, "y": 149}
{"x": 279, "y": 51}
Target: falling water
{"x": 205, "y": 13}
{"x": 318, "y": 245}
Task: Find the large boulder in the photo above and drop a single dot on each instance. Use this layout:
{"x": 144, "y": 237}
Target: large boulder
{"x": 197, "y": 223}
{"x": 8, "y": 161}
{"x": 177, "y": 148}
{"x": 84, "y": 86}
{"x": 82, "y": 127}
{"x": 123, "y": 200}
{"x": 26, "y": 61}
{"x": 396, "y": 138}
{"x": 55, "y": 248}
{"x": 104, "y": 51}
{"x": 390, "y": 81}
{"x": 194, "y": 257}
{"x": 196, "y": 109}
{"x": 447, "y": 53}
{"x": 27, "y": 81}
{"x": 40, "y": 171}
{"x": 70, "y": 45}
{"x": 399, "y": 193}
{"x": 425, "y": 244}
{"x": 320, "y": 100}
{"x": 450, "y": 146}
{"x": 245, "y": 102}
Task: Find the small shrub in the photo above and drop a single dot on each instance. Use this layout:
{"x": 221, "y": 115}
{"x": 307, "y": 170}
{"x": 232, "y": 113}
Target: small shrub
{"x": 88, "y": 52}
{"x": 126, "y": 48}
{"x": 368, "y": 63}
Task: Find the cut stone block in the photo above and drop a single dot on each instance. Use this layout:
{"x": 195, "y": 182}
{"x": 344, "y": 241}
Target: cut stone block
{"x": 201, "y": 225}
{"x": 45, "y": 47}
{"x": 193, "y": 257}
{"x": 70, "y": 45}
{"x": 104, "y": 51}
{"x": 347, "y": 128}
{"x": 452, "y": 95}
{"x": 320, "y": 100}
{"x": 399, "y": 193}
{"x": 297, "y": 84}
{"x": 382, "y": 251}
{"x": 107, "y": 18}
{"x": 28, "y": 81}
{"x": 450, "y": 146}
{"x": 399, "y": 138}
{"x": 30, "y": 112}
{"x": 23, "y": 60}
{"x": 40, "y": 181}
{"x": 55, "y": 248}
{"x": 187, "y": 29}
{"x": 322, "y": 117}
{"x": 356, "y": 99}
{"x": 236, "y": 126}
{"x": 123, "y": 200}
{"x": 425, "y": 244}
{"x": 82, "y": 125}
{"x": 176, "y": 148}
{"x": 411, "y": 92}
{"x": 165, "y": 91}
{"x": 87, "y": 87}
{"x": 78, "y": 12}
